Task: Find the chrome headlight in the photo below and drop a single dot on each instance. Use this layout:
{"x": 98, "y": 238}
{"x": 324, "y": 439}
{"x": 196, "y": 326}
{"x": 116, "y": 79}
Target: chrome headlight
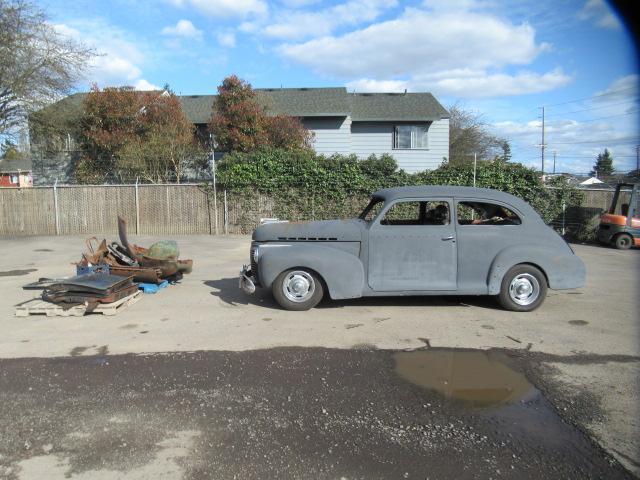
{"x": 255, "y": 253}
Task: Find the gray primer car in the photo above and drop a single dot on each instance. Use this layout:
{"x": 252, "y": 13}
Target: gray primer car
{"x": 425, "y": 240}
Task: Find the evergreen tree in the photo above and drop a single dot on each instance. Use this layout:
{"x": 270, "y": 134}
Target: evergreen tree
{"x": 604, "y": 165}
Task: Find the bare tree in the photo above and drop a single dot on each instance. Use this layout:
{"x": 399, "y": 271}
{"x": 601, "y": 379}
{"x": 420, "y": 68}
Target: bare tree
{"x": 469, "y": 135}
{"x": 37, "y": 64}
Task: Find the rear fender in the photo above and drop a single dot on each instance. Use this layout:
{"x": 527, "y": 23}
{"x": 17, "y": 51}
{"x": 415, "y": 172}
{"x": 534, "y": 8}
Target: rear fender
{"x": 563, "y": 270}
{"x": 342, "y": 272}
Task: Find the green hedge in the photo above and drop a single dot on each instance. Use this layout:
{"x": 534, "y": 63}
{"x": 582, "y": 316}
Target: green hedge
{"x": 306, "y": 185}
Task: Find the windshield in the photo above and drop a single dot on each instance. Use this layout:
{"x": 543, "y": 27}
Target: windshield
{"x": 372, "y": 210}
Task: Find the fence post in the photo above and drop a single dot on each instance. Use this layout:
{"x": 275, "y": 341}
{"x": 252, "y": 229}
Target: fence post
{"x": 55, "y": 206}
{"x": 226, "y": 214}
{"x": 168, "y": 207}
{"x": 137, "y": 209}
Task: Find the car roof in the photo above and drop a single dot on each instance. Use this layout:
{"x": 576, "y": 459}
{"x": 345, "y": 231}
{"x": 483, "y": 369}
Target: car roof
{"x": 390, "y": 194}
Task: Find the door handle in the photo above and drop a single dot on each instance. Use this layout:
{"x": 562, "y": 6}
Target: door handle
{"x": 450, "y": 237}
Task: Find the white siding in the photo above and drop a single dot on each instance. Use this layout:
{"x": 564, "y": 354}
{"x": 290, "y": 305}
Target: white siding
{"x": 332, "y": 135}
{"x": 368, "y": 138}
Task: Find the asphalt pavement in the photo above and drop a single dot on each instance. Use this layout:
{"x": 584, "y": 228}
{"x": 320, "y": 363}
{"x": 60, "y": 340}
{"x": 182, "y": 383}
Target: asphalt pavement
{"x": 203, "y": 381}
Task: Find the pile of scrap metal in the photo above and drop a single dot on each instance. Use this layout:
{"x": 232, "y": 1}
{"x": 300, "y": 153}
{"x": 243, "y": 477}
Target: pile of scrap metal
{"x": 92, "y": 288}
{"x": 153, "y": 265}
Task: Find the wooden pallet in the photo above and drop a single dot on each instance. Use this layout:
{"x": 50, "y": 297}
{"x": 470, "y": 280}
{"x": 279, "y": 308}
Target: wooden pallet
{"x": 37, "y": 306}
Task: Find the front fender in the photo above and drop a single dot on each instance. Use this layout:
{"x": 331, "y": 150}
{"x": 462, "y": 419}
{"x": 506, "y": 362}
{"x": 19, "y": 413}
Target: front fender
{"x": 342, "y": 272}
{"x": 563, "y": 270}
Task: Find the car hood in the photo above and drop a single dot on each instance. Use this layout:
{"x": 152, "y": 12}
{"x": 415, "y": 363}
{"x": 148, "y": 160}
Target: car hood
{"x": 325, "y": 230}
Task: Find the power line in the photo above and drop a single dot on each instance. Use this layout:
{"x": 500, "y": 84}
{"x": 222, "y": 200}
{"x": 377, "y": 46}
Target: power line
{"x": 588, "y": 109}
{"x": 604, "y": 118}
{"x": 613, "y": 92}
{"x": 604, "y": 140}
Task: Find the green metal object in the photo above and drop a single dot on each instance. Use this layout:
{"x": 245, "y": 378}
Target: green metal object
{"x": 164, "y": 250}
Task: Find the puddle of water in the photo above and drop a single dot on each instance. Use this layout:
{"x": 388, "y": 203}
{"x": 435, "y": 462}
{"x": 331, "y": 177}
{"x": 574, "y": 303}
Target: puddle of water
{"x": 16, "y": 273}
{"x": 478, "y": 379}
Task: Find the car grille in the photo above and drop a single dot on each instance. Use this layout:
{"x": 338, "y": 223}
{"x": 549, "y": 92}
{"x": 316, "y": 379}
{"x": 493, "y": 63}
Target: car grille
{"x": 254, "y": 265}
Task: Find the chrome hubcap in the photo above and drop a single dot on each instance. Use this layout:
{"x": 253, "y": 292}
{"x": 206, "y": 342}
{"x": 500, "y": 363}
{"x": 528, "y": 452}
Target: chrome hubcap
{"x": 524, "y": 289}
{"x": 298, "y": 286}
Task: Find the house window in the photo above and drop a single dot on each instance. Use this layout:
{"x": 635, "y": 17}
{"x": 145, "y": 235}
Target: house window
{"x": 13, "y": 179}
{"x": 410, "y": 136}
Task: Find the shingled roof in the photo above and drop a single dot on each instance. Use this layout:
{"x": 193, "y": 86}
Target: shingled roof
{"x": 317, "y": 102}
{"x": 15, "y": 165}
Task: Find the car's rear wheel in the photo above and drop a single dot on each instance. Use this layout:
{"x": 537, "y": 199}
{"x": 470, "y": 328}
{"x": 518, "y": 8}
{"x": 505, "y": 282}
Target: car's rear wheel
{"x": 298, "y": 289}
{"x": 623, "y": 241}
{"x": 523, "y": 289}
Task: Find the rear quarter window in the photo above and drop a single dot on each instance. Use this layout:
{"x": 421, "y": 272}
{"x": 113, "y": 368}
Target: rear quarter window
{"x": 485, "y": 213}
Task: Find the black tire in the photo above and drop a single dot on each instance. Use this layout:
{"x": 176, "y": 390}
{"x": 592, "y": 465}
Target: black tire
{"x": 523, "y": 289}
{"x": 623, "y": 241}
{"x": 298, "y": 299}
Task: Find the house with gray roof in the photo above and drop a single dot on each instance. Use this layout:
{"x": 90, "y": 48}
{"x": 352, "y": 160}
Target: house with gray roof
{"x": 412, "y": 127}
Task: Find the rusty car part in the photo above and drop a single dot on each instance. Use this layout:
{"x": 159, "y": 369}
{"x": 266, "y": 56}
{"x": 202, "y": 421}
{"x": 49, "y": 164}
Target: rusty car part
{"x": 120, "y": 254}
{"x": 77, "y": 297}
{"x": 140, "y": 274}
{"x": 93, "y": 282}
{"x": 172, "y": 268}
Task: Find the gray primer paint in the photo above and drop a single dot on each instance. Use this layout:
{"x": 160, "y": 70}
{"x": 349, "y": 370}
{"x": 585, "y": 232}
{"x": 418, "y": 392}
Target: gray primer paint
{"x": 357, "y": 258}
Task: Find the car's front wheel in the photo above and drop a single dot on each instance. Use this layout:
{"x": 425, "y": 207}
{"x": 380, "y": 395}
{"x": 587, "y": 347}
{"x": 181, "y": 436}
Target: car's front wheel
{"x": 298, "y": 289}
{"x": 523, "y": 289}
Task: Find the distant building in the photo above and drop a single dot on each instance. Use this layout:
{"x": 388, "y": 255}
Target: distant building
{"x": 412, "y": 127}
{"x": 15, "y": 173}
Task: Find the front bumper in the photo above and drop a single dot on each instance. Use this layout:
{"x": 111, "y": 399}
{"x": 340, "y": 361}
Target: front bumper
{"x": 246, "y": 281}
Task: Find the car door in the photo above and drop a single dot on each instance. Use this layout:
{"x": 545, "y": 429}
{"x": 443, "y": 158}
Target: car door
{"x": 412, "y": 247}
{"x": 485, "y": 227}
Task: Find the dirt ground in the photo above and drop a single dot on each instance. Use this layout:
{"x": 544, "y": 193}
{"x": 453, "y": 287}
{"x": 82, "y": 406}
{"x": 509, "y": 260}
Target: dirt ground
{"x": 581, "y": 349}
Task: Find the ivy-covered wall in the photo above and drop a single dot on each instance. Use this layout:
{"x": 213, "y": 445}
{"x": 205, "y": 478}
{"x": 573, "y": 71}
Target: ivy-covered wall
{"x": 304, "y": 185}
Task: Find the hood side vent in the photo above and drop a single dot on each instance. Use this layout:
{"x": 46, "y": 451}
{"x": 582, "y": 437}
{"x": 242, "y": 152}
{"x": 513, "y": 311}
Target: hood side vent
{"x": 308, "y": 239}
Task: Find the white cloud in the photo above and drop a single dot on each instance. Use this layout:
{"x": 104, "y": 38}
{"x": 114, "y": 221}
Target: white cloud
{"x": 469, "y": 84}
{"x": 119, "y": 58}
{"x": 369, "y": 85}
{"x": 580, "y": 129}
{"x": 224, "y": 8}
{"x": 499, "y": 84}
{"x": 419, "y": 42}
{"x": 142, "y": 84}
{"x": 450, "y": 53}
{"x": 226, "y": 39}
{"x": 623, "y": 88}
{"x": 600, "y": 13}
{"x": 184, "y": 28}
{"x": 304, "y": 24}
{"x": 299, "y": 3}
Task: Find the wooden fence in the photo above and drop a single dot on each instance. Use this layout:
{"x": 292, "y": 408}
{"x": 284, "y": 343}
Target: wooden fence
{"x": 182, "y": 209}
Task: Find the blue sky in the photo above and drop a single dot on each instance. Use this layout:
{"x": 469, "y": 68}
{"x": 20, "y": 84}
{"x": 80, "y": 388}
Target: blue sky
{"x": 501, "y": 58}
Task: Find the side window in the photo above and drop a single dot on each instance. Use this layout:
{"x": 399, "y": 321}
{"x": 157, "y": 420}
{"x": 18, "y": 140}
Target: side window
{"x": 402, "y": 213}
{"x": 481, "y": 213}
{"x": 417, "y": 213}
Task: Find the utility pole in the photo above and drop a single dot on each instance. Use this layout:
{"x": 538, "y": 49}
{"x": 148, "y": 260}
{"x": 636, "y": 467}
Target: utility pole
{"x": 542, "y": 145}
{"x": 554, "y": 162}
{"x": 637, "y": 160}
{"x": 475, "y": 167}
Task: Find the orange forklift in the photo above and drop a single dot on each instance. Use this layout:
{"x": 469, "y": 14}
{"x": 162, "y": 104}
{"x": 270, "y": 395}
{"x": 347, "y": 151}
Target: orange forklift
{"x": 620, "y": 227}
